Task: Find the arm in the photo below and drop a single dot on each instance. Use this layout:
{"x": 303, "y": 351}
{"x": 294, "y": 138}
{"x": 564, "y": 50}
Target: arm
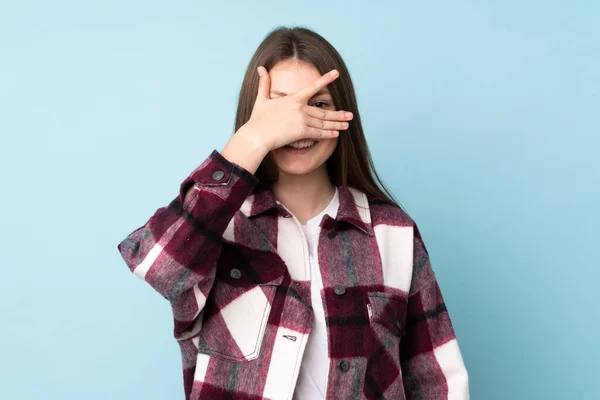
{"x": 432, "y": 364}
{"x": 176, "y": 250}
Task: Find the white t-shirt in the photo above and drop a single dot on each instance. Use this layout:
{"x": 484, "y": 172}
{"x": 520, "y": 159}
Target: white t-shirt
{"x": 312, "y": 379}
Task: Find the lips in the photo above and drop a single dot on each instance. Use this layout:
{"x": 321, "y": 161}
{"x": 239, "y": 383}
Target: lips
{"x": 298, "y": 151}
{"x": 302, "y": 144}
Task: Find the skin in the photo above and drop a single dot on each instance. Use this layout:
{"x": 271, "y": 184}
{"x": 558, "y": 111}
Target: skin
{"x": 293, "y": 103}
{"x": 304, "y": 185}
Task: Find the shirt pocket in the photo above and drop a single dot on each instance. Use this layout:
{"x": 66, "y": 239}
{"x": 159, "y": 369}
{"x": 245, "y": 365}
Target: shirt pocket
{"x": 387, "y": 310}
{"x": 236, "y": 313}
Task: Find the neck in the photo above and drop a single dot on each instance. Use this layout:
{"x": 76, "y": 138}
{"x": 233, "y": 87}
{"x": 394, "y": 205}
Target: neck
{"x": 305, "y": 195}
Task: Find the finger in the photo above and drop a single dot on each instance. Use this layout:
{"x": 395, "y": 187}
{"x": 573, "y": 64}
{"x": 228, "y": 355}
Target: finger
{"x": 309, "y": 91}
{"x": 264, "y": 83}
{"x": 319, "y": 134}
{"x": 327, "y": 125}
{"x": 331, "y": 115}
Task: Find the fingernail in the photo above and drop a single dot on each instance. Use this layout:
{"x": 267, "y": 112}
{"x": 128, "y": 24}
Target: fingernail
{"x": 334, "y": 73}
{"x": 349, "y": 115}
{"x": 259, "y": 70}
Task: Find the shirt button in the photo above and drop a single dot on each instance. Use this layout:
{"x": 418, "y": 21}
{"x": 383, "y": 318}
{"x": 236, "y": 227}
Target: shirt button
{"x": 286, "y": 215}
{"x": 344, "y": 365}
{"x": 339, "y": 289}
{"x": 218, "y": 175}
{"x": 235, "y": 273}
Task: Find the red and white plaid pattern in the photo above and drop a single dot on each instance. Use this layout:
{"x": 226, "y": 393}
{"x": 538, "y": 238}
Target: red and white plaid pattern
{"x": 233, "y": 265}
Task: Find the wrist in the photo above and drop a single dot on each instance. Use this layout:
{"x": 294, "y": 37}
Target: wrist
{"x": 252, "y": 139}
{"x": 245, "y": 150}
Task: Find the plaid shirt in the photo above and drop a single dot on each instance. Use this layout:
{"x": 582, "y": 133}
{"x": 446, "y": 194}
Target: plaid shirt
{"x": 233, "y": 264}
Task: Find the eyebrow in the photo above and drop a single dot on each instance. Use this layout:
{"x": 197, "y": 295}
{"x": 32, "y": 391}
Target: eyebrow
{"x": 320, "y": 92}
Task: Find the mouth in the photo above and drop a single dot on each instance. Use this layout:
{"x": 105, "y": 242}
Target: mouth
{"x": 300, "y": 146}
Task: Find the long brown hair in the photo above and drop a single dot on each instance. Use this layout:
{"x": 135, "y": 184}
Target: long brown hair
{"x": 351, "y": 163}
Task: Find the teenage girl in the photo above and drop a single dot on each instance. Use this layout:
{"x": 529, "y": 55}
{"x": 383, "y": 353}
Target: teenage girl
{"x": 291, "y": 270}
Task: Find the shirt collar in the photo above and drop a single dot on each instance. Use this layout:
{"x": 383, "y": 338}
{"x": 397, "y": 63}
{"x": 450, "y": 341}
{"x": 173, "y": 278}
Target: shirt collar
{"x": 353, "y": 207}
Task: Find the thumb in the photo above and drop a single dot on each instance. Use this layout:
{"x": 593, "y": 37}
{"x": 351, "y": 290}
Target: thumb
{"x": 264, "y": 84}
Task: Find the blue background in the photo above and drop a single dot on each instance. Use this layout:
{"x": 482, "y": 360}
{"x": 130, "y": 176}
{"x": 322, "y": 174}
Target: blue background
{"x": 482, "y": 117}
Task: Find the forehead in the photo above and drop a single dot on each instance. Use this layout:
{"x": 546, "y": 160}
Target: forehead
{"x": 291, "y": 76}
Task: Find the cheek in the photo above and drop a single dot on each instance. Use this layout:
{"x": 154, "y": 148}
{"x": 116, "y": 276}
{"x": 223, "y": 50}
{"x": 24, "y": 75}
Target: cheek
{"x": 328, "y": 147}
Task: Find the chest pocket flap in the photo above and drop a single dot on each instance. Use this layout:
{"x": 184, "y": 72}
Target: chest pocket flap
{"x": 389, "y": 310}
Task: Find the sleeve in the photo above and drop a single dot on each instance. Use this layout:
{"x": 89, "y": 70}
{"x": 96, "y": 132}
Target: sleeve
{"x": 176, "y": 250}
{"x": 432, "y": 364}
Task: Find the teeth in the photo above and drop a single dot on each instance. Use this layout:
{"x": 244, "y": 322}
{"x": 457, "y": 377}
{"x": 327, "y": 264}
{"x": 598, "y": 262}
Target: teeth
{"x": 300, "y": 144}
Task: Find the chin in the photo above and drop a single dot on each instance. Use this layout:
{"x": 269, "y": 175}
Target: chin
{"x": 296, "y": 169}
{"x": 303, "y": 164}
{"x": 294, "y": 165}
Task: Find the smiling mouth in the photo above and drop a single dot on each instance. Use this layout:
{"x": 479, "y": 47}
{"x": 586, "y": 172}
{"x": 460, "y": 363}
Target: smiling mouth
{"x": 302, "y": 144}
